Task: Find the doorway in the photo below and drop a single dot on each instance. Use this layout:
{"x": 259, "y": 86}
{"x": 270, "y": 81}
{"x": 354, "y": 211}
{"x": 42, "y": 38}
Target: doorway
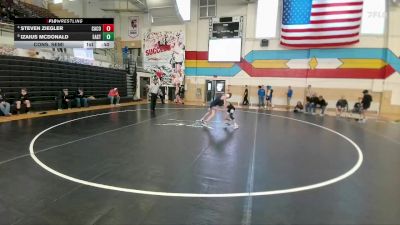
{"x": 144, "y": 82}
{"x": 214, "y": 88}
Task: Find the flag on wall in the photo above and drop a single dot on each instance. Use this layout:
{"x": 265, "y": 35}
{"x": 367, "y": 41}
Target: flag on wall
{"x": 320, "y": 23}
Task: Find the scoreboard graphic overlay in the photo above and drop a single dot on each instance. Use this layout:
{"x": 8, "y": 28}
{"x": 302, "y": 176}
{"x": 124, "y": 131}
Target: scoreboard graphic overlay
{"x": 64, "y": 33}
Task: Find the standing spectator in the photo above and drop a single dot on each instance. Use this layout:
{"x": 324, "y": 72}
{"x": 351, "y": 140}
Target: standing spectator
{"x": 261, "y": 96}
{"x": 64, "y": 99}
{"x": 154, "y": 87}
{"x": 23, "y": 98}
{"x": 245, "y": 96}
{"x": 4, "y": 105}
{"x": 270, "y": 91}
{"x": 114, "y": 94}
{"x": 308, "y": 92}
{"x": 161, "y": 95}
{"x": 321, "y": 103}
{"x": 365, "y": 103}
{"x": 289, "y": 95}
{"x": 341, "y": 105}
{"x": 81, "y": 98}
{"x": 177, "y": 83}
{"x": 179, "y": 92}
{"x": 182, "y": 93}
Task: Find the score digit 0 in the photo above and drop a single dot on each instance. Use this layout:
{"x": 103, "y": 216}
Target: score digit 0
{"x": 108, "y": 36}
{"x": 108, "y": 27}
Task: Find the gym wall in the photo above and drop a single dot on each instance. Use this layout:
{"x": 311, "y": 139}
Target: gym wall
{"x": 372, "y": 64}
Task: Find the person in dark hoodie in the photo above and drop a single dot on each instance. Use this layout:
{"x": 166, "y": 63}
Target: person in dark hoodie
{"x": 321, "y": 103}
{"x": 311, "y": 103}
{"x": 341, "y": 106}
{"x": 23, "y": 98}
{"x": 4, "y": 105}
{"x": 81, "y": 98}
{"x": 64, "y": 99}
{"x": 299, "y": 107}
{"x": 269, "y": 94}
{"x": 245, "y": 96}
{"x": 365, "y": 103}
{"x": 230, "y": 116}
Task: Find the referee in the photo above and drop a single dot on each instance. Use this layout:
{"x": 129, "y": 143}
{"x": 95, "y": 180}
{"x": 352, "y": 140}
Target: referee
{"x": 154, "y": 87}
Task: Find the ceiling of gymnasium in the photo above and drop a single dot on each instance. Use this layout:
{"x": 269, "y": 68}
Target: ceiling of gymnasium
{"x": 163, "y": 12}
{"x": 124, "y": 5}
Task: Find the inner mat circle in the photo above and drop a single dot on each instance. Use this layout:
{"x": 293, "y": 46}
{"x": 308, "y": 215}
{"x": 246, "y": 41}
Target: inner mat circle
{"x": 151, "y": 191}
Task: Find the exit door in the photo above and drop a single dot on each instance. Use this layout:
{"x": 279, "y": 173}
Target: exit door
{"x": 214, "y": 88}
{"x": 144, "y": 82}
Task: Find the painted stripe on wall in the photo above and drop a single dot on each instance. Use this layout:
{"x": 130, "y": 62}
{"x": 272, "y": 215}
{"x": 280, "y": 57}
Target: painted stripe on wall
{"x": 393, "y": 60}
{"x": 224, "y": 72}
{"x": 193, "y": 55}
{"x": 349, "y": 73}
{"x": 360, "y": 53}
{"x": 359, "y": 63}
{"x": 270, "y": 63}
{"x": 280, "y": 64}
{"x": 277, "y": 55}
{"x": 206, "y": 64}
{"x": 345, "y": 53}
{"x": 362, "y": 63}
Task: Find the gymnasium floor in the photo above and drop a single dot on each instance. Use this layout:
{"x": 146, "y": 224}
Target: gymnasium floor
{"x": 131, "y": 167}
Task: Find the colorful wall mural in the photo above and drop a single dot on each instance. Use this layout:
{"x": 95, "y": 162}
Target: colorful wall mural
{"x": 354, "y": 63}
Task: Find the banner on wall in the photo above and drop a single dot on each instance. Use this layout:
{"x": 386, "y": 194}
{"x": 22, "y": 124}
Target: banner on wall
{"x": 164, "y": 56}
{"x": 133, "y": 31}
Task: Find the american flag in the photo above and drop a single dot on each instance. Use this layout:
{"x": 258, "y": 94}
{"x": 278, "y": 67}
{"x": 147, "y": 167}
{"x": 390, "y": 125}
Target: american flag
{"x": 320, "y": 23}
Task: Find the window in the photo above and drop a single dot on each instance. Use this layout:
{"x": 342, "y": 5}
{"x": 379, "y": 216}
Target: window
{"x": 184, "y": 9}
{"x": 208, "y": 8}
{"x": 373, "y": 17}
{"x": 267, "y": 18}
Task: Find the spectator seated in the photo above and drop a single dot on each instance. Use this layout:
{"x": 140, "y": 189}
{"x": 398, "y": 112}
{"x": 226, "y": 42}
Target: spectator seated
{"x": 23, "y": 100}
{"x": 81, "y": 99}
{"x": 113, "y": 94}
{"x": 4, "y": 105}
{"x": 64, "y": 99}
{"x": 341, "y": 106}
{"x": 45, "y": 78}
{"x": 311, "y": 104}
{"x": 357, "y": 108}
{"x": 299, "y": 107}
{"x": 321, "y": 104}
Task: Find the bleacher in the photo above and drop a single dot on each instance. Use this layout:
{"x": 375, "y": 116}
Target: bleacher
{"x": 10, "y": 10}
{"x": 36, "y": 11}
{"x": 44, "y": 79}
